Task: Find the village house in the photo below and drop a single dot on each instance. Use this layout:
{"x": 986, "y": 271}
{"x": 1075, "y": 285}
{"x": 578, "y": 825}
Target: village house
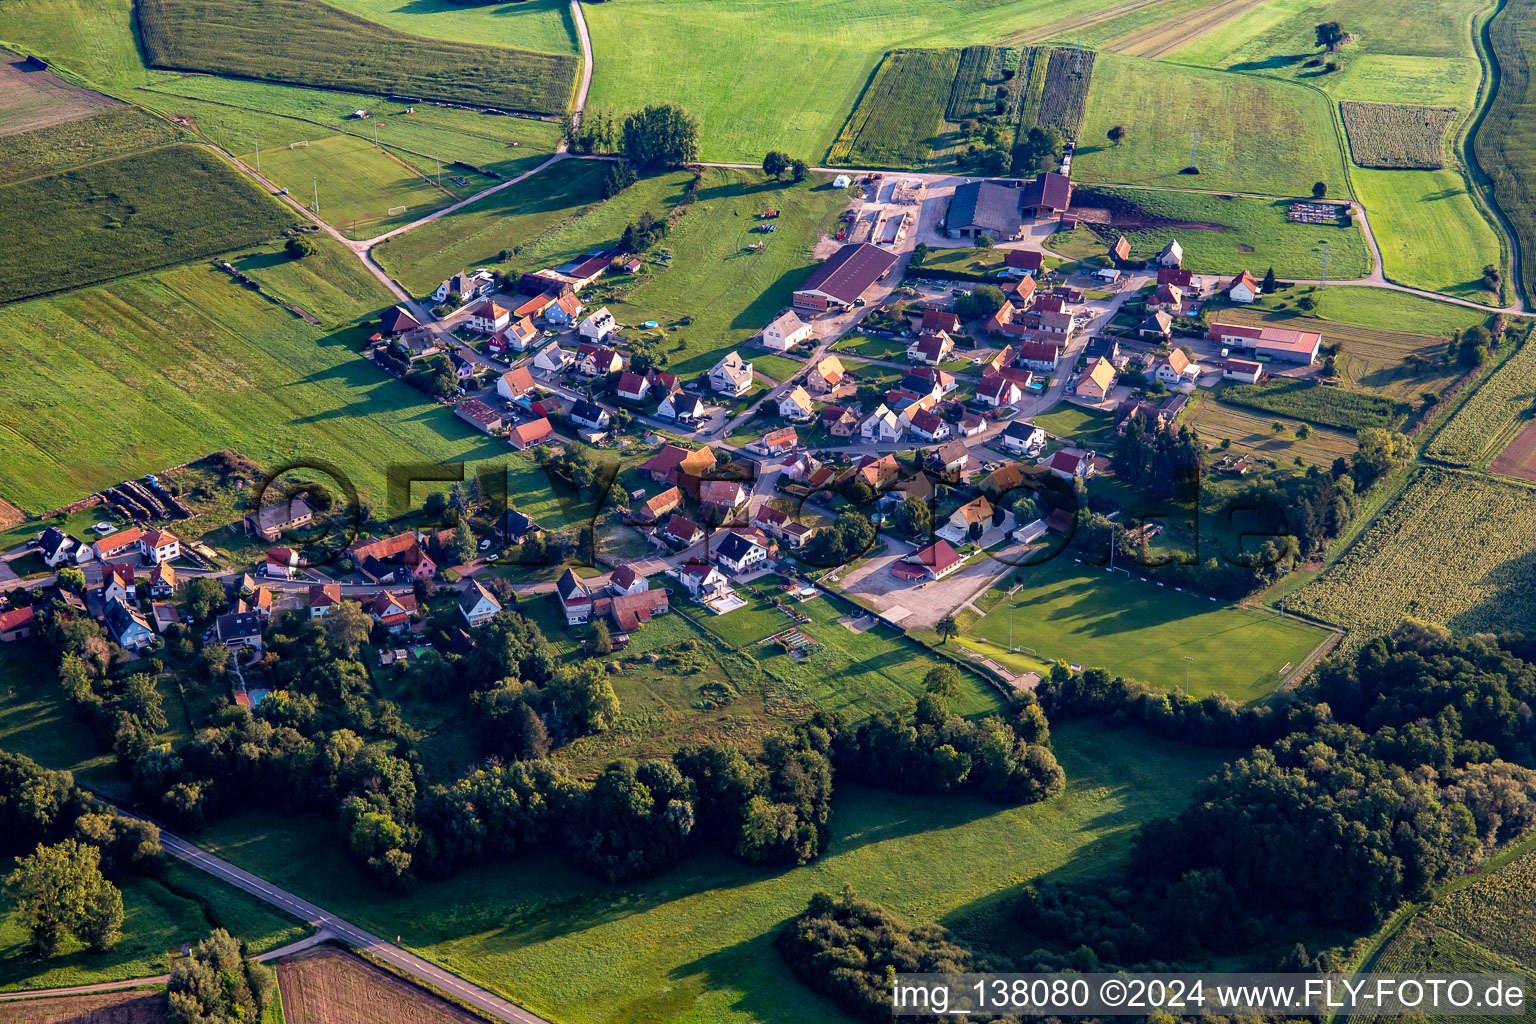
{"x": 629, "y": 611}
{"x": 1184, "y": 279}
{"x": 1120, "y": 252}
{"x": 968, "y": 522}
{"x": 944, "y": 381}
{"x": 55, "y": 546}
{"x": 785, "y": 332}
{"x": 632, "y": 387}
{"x": 517, "y": 336}
{"x": 597, "y": 360}
{"x": 1039, "y": 355}
{"x": 17, "y": 624}
{"x": 468, "y": 286}
{"x": 162, "y": 580}
{"x": 565, "y": 310}
{"x": 400, "y": 558}
{"x": 321, "y": 598}
{"x": 553, "y": 359}
{"x": 738, "y": 555}
{"x": 1157, "y": 326}
{"x": 238, "y": 629}
{"x": 1176, "y": 369}
{"x": 528, "y": 433}
{"x": 164, "y": 615}
{"x": 1071, "y": 464}
{"x": 731, "y": 376}
{"x": 650, "y": 511}
{"x": 933, "y": 562}
{"x": 392, "y": 611}
{"x": 998, "y": 391}
{"x": 881, "y": 425}
{"x": 776, "y": 442}
{"x": 970, "y": 425}
{"x": 1048, "y": 194}
{"x": 117, "y": 583}
{"x": 922, "y": 387}
{"x": 1242, "y": 370}
{"x": 722, "y": 495}
{"x": 281, "y": 563}
{"x": 681, "y": 531}
{"x": 930, "y": 348}
{"x": 395, "y": 321}
{"x": 119, "y": 543}
{"x": 128, "y": 627}
{"x": 1095, "y": 384}
{"x": 826, "y": 375}
{"x": 1243, "y": 288}
{"x": 929, "y": 426}
{"x": 681, "y": 407}
{"x": 590, "y": 415}
{"x": 1280, "y": 343}
{"x": 704, "y": 582}
{"x": 795, "y": 405}
{"x": 949, "y": 459}
{"x": 516, "y": 384}
{"x": 1022, "y": 262}
{"x": 1023, "y": 437}
{"x": 478, "y": 605}
{"x": 517, "y": 527}
{"x": 674, "y": 461}
{"x": 1172, "y": 255}
{"x": 838, "y": 421}
{"x": 841, "y": 281}
{"x": 479, "y": 415}
{"x": 798, "y": 468}
{"x": 489, "y": 317}
{"x": 1168, "y": 297}
{"x": 535, "y": 304}
{"x": 598, "y": 325}
{"x": 879, "y": 472}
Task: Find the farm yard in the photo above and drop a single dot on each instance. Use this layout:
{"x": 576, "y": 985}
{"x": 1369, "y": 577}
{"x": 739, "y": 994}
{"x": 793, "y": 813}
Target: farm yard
{"x": 1393, "y": 364}
{"x": 313, "y": 43}
{"x": 1136, "y": 627}
{"x": 1492, "y": 416}
{"x": 1256, "y": 135}
{"x": 126, "y": 215}
{"x": 1455, "y": 548}
{"x": 901, "y": 114}
{"x": 1318, "y": 403}
{"x": 1220, "y": 234}
{"x": 1396, "y": 134}
{"x": 698, "y": 941}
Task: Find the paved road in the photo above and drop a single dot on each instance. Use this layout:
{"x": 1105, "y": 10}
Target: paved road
{"x": 323, "y": 920}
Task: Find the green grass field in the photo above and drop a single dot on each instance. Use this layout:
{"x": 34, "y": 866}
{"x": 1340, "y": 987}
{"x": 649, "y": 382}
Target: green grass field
{"x": 110, "y": 133}
{"x": 1430, "y": 231}
{"x": 1256, "y": 134}
{"x": 152, "y": 371}
{"x": 361, "y": 184}
{"x": 127, "y": 215}
{"x": 230, "y": 112}
{"x": 695, "y": 943}
{"x": 475, "y": 235}
{"x": 1234, "y": 233}
{"x": 332, "y": 284}
{"x": 1379, "y": 308}
{"x": 1077, "y": 424}
{"x": 716, "y": 64}
{"x": 1135, "y": 627}
{"x": 543, "y": 25}
{"x": 92, "y": 40}
{"x": 316, "y": 44}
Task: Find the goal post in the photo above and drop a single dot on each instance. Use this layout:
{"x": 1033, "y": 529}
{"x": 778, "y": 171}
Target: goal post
{"x": 393, "y": 210}
{"x": 296, "y": 145}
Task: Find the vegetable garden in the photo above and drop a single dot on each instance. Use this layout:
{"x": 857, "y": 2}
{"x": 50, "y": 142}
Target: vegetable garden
{"x": 1492, "y": 416}
{"x": 1396, "y": 135}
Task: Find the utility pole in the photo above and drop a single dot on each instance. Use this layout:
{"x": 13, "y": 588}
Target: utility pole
{"x": 439, "y": 164}
{"x": 375, "y": 135}
{"x": 1187, "y": 660}
{"x": 316, "y": 182}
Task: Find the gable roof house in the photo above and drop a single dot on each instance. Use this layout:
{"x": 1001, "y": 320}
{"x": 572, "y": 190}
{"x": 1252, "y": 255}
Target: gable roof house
{"x": 55, "y": 546}
{"x": 785, "y": 331}
{"x": 1022, "y": 262}
{"x": 515, "y": 384}
{"x": 826, "y": 375}
{"x": 1067, "y": 464}
{"x": 528, "y": 433}
{"x": 400, "y": 557}
{"x": 553, "y": 359}
{"x": 933, "y": 562}
{"x": 740, "y": 555}
{"x": 119, "y": 543}
{"x": 117, "y": 582}
{"x": 1243, "y": 288}
{"x": 1121, "y": 250}
{"x": 929, "y": 426}
{"x": 968, "y": 522}
{"x": 985, "y": 208}
{"x": 517, "y": 527}
{"x": 392, "y": 611}
{"x": 130, "y": 629}
{"x": 479, "y": 415}
{"x": 880, "y": 473}
{"x": 970, "y": 424}
{"x": 162, "y": 580}
{"x": 880, "y": 425}
{"x": 1242, "y": 370}
{"x": 565, "y": 310}
{"x": 838, "y": 421}
{"x": 1023, "y": 437}
{"x": 1049, "y": 193}
{"x": 1172, "y": 255}
{"x": 997, "y": 390}
{"x": 321, "y": 598}
{"x": 598, "y": 325}
{"x": 795, "y": 405}
{"x": 681, "y": 407}
{"x": 675, "y": 461}
{"x": 776, "y": 442}
{"x": 731, "y": 376}
{"x": 931, "y": 348}
{"x": 630, "y": 611}
{"x": 632, "y": 387}
{"x": 575, "y": 598}
{"x": 1157, "y": 325}
{"x": 469, "y": 286}
{"x": 516, "y": 336}
{"x": 597, "y": 360}
{"x": 682, "y": 531}
{"x": 625, "y": 580}
{"x": 590, "y": 414}
{"x": 478, "y": 605}
{"x": 17, "y": 624}
{"x": 1176, "y": 368}
{"x": 844, "y": 277}
{"x": 397, "y": 320}
{"x": 1098, "y": 380}
{"x": 939, "y": 320}
{"x": 1039, "y": 354}
{"x": 489, "y": 317}
{"x": 702, "y": 580}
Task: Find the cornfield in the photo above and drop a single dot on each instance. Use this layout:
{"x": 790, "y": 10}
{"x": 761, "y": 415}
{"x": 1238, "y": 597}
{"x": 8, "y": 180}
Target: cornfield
{"x": 1492, "y": 416}
{"x": 901, "y": 111}
{"x": 1456, "y": 548}
{"x": 1396, "y": 135}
